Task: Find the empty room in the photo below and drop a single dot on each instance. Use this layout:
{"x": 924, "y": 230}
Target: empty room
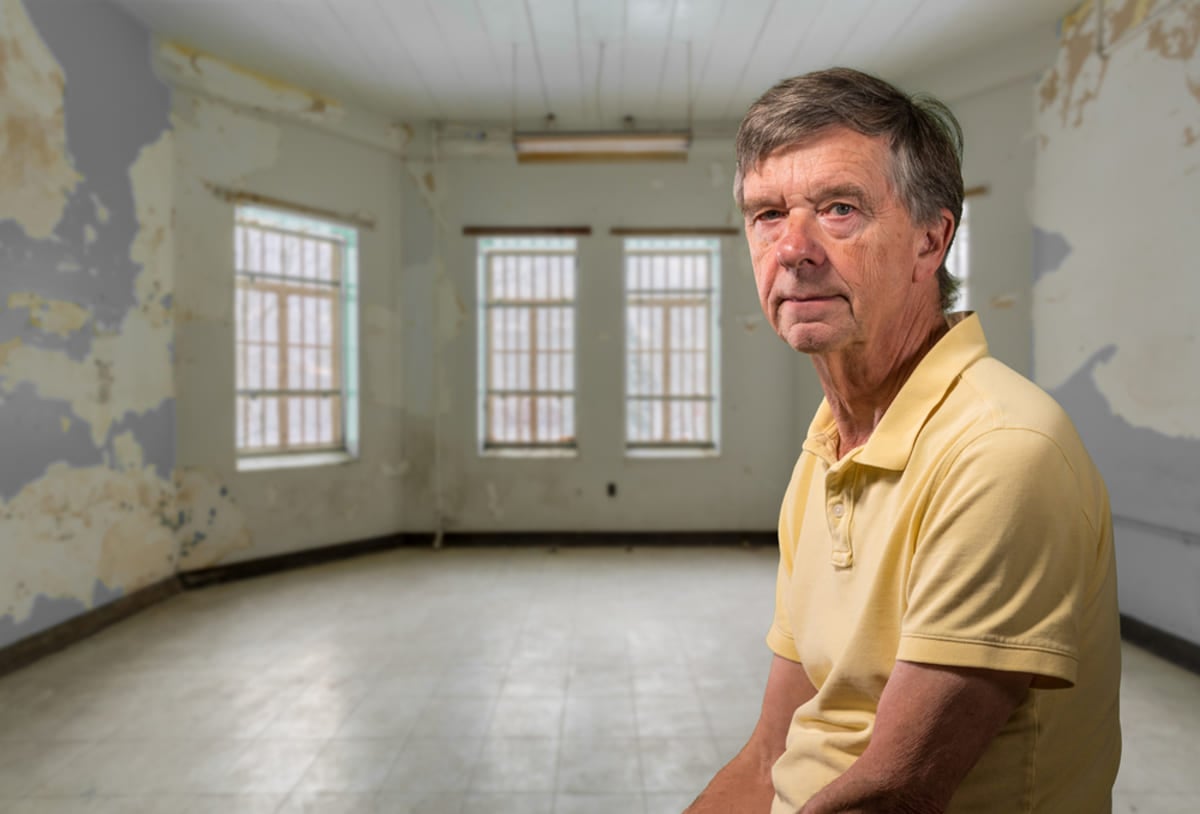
{"x": 578, "y": 406}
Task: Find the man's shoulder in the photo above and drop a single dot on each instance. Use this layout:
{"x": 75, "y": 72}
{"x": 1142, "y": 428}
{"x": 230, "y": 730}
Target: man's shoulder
{"x": 993, "y": 396}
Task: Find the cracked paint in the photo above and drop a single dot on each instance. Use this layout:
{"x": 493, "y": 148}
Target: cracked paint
{"x": 1078, "y": 73}
{"x": 51, "y": 316}
{"x": 86, "y": 496}
{"x": 1115, "y": 336}
{"x": 209, "y": 525}
{"x": 36, "y": 174}
{"x": 243, "y": 86}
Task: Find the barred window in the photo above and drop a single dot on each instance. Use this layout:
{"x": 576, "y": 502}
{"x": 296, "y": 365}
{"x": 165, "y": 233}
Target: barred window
{"x": 958, "y": 262}
{"x": 296, "y": 334}
{"x": 527, "y": 343}
{"x": 671, "y": 361}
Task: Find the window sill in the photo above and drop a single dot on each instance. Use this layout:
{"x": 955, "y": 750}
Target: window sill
{"x": 530, "y": 453}
{"x": 304, "y": 461}
{"x": 667, "y": 452}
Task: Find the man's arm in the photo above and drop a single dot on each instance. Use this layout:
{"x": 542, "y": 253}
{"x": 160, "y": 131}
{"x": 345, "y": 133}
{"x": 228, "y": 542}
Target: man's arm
{"x": 744, "y": 785}
{"x": 932, "y": 725}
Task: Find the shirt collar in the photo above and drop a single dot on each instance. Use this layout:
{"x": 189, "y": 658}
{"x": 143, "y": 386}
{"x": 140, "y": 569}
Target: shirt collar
{"x": 891, "y": 443}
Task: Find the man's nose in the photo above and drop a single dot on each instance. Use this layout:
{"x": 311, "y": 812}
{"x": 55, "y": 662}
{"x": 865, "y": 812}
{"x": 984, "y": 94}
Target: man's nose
{"x": 800, "y": 243}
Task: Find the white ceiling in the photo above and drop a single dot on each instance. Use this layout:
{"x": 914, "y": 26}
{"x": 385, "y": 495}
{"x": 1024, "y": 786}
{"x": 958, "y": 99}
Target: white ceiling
{"x": 589, "y": 62}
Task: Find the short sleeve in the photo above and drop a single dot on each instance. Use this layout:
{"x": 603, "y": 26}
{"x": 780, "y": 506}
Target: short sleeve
{"x": 780, "y": 637}
{"x": 1000, "y": 568}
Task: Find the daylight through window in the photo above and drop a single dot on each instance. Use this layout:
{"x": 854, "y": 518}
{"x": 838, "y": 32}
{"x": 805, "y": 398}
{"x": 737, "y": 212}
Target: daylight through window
{"x": 671, "y": 376}
{"x": 527, "y": 343}
{"x": 296, "y": 327}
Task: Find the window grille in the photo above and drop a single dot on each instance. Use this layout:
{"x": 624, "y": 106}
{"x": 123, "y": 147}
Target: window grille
{"x": 296, "y": 329}
{"x": 671, "y": 306}
{"x": 527, "y": 343}
{"x": 958, "y": 262}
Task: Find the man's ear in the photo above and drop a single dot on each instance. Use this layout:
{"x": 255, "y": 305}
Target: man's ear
{"x": 934, "y": 240}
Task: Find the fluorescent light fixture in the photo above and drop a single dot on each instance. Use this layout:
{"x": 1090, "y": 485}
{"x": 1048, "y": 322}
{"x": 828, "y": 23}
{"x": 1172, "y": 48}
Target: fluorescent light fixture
{"x": 551, "y": 146}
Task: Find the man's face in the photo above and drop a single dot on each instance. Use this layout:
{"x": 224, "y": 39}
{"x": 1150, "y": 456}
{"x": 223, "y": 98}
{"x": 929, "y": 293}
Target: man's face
{"x": 838, "y": 261}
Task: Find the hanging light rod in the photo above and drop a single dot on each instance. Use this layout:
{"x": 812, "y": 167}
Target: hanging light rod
{"x": 624, "y": 145}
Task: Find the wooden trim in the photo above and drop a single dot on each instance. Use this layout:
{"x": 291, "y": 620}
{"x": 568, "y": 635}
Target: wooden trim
{"x": 671, "y": 231}
{"x": 1165, "y": 645}
{"x": 240, "y": 196}
{"x": 76, "y": 629}
{"x": 973, "y": 192}
{"x": 297, "y": 559}
{"x": 600, "y": 157}
{"x": 525, "y": 231}
{"x": 552, "y": 539}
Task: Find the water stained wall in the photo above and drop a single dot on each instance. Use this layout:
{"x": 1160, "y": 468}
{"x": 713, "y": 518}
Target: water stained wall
{"x": 1115, "y": 331}
{"x": 87, "y": 410}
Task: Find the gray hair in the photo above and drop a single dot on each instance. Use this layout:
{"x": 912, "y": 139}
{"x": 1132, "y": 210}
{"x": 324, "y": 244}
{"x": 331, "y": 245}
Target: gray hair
{"x": 926, "y": 140}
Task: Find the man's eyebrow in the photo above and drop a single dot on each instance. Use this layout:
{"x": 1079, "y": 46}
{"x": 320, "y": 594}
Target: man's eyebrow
{"x": 853, "y": 191}
{"x": 762, "y": 202}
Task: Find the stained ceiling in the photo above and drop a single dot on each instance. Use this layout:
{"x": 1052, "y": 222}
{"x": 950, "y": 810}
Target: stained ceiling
{"x": 590, "y": 63}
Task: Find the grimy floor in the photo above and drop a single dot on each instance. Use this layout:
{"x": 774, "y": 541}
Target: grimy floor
{"x": 463, "y": 680}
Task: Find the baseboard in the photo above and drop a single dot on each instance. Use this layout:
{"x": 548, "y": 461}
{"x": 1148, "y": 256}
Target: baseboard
{"x": 1174, "y": 649}
{"x": 263, "y": 566}
{"x": 1165, "y": 645}
{"x": 567, "y": 539}
{"x": 541, "y": 539}
{"x": 39, "y": 645}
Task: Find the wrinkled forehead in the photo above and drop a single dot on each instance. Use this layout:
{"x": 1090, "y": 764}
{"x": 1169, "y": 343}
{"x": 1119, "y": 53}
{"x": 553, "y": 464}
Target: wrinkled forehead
{"x": 830, "y": 154}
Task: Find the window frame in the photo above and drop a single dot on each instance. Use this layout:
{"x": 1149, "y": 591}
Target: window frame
{"x": 341, "y": 289}
{"x": 958, "y": 260}
{"x": 529, "y": 246}
{"x": 665, "y": 299}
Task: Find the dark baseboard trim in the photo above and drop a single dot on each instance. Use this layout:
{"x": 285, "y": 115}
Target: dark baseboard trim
{"x": 537, "y": 539}
{"x": 1174, "y": 649}
{"x": 297, "y": 559}
{"x": 76, "y": 629}
{"x": 617, "y": 539}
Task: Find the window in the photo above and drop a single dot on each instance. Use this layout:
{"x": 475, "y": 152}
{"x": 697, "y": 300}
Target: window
{"x": 296, "y": 328}
{"x": 671, "y": 379}
{"x": 958, "y": 262}
{"x": 527, "y": 344}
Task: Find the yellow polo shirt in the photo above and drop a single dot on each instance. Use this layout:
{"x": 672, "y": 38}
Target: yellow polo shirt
{"x": 972, "y": 529}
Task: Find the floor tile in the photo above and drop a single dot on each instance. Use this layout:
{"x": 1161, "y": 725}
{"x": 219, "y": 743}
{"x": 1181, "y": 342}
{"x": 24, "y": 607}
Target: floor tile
{"x": 516, "y": 764}
{"x": 494, "y": 680}
{"x": 598, "y": 804}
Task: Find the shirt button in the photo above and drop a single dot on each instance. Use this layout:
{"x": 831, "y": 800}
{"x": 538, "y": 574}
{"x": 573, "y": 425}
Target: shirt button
{"x": 838, "y": 509}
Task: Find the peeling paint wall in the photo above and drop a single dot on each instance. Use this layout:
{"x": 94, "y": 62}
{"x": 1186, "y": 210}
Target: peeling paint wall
{"x": 768, "y": 392}
{"x": 87, "y": 407}
{"x": 1116, "y": 202}
{"x": 225, "y": 515}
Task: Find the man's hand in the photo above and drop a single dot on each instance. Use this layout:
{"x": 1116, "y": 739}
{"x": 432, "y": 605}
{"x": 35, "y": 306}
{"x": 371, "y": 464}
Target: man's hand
{"x": 932, "y": 725}
{"x": 744, "y": 785}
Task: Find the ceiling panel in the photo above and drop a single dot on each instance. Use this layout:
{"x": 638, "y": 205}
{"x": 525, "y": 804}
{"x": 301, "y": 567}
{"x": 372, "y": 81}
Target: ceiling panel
{"x": 590, "y": 62}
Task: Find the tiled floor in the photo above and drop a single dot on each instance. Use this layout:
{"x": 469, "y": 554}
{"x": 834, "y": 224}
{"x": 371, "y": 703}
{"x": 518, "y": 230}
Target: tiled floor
{"x": 477, "y": 680}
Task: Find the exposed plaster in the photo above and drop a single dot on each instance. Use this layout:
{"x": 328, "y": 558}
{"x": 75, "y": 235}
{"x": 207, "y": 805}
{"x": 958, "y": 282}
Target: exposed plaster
{"x": 51, "y": 316}
{"x": 79, "y": 524}
{"x": 36, "y": 174}
{"x": 184, "y": 64}
{"x": 209, "y": 525}
{"x": 1165, "y": 495}
{"x": 86, "y": 499}
{"x": 219, "y": 144}
{"x": 1177, "y": 37}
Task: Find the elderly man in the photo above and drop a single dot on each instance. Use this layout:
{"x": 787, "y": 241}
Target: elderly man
{"x": 946, "y": 630}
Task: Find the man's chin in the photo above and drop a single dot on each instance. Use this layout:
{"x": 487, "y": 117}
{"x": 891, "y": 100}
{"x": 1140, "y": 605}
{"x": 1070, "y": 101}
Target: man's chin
{"x": 811, "y": 338}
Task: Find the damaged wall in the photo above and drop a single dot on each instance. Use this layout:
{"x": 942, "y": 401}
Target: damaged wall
{"x": 87, "y": 405}
{"x": 1115, "y": 331}
{"x": 767, "y": 391}
{"x": 227, "y": 515}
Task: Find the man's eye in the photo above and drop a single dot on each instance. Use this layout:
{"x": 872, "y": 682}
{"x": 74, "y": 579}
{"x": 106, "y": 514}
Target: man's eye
{"x": 770, "y": 214}
{"x": 841, "y": 209}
